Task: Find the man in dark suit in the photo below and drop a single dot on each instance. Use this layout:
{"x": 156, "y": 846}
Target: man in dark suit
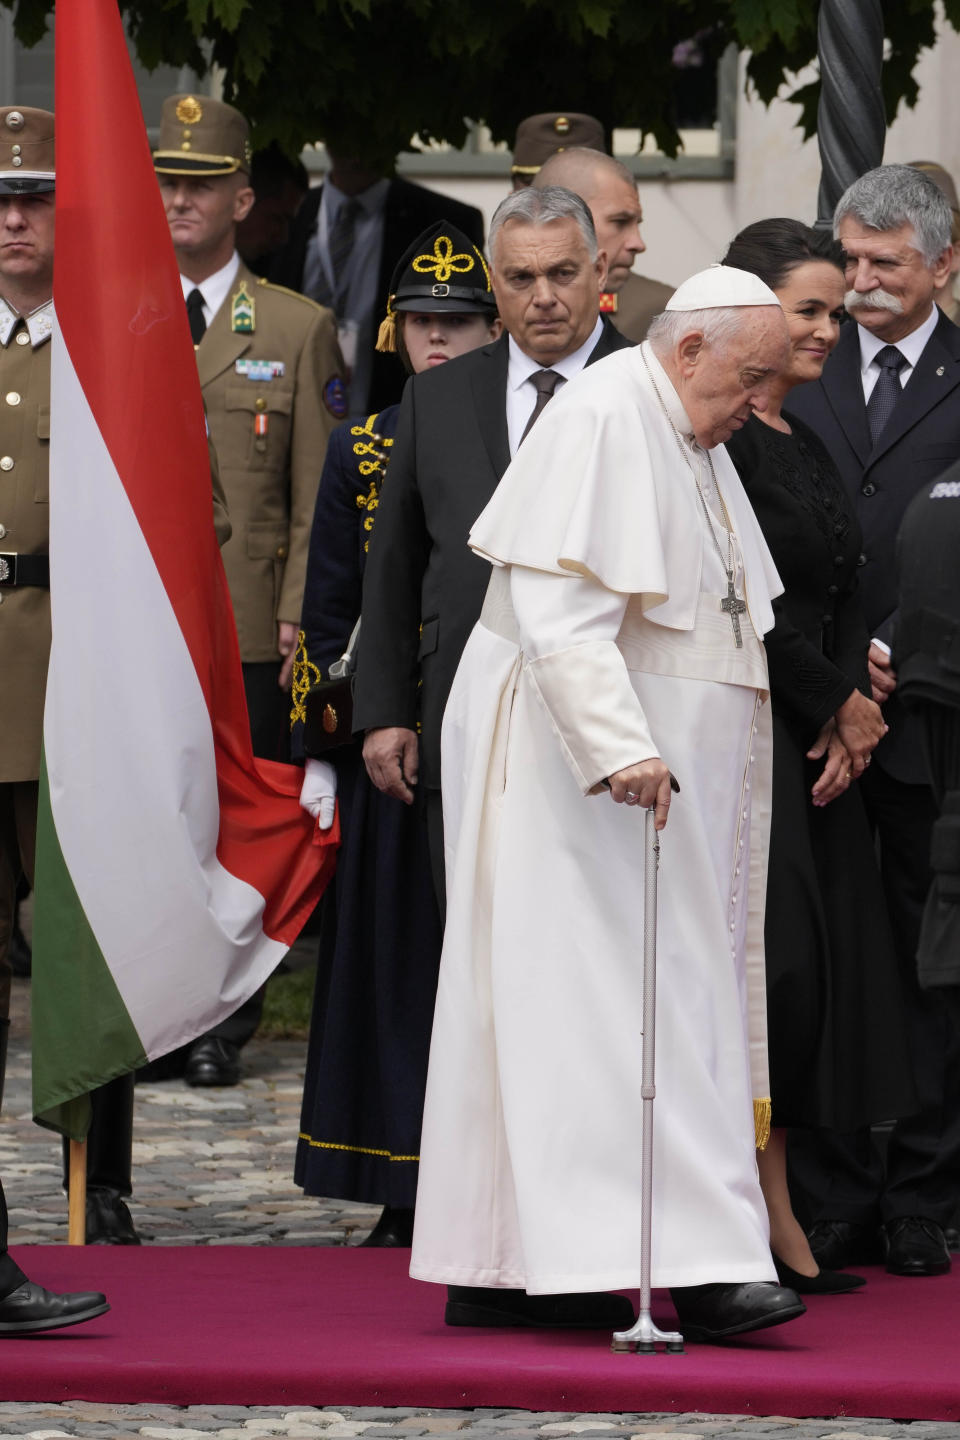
{"x": 888, "y": 408}
{"x": 344, "y": 244}
{"x": 459, "y": 427}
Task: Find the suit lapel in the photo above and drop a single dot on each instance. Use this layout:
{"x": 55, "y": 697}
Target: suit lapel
{"x": 843, "y": 390}
{"x": 937, "y": 372}
{"x": 489, "y": 382}
{"x": 220, "y": 346}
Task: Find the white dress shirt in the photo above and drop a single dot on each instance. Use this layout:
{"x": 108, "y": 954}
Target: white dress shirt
{"x": 911, "y": 348}
{"x": 215, "y": 288}
{"x": 522, "y": 393}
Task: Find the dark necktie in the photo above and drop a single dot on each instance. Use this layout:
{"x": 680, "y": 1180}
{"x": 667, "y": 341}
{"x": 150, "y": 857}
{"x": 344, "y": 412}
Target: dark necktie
{"x": 340, "y": 247}
{"x": 887, "y": 390}
{"x": 198, "y": 326}
{"x": 546, "y": 382}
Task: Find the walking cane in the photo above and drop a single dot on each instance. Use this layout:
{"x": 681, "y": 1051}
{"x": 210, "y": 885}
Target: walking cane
{"x": 644, "y": 1336}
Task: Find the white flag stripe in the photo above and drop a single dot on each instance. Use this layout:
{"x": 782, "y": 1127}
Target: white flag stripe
{"x": 182, "y": 937}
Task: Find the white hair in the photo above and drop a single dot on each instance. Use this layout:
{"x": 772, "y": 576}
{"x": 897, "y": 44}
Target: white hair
{"x": 717, "y": 326}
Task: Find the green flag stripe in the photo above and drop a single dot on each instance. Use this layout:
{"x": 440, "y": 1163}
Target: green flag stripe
{"x": 82, "y": 1033}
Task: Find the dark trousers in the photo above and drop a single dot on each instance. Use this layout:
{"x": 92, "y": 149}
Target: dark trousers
{"x": 11, "y": 1276}
{"x": 110, "y": 1138}
{"x": 18, "y": 835}
{"x": 844, "y": 1177}
{"x": 434, "y": 808}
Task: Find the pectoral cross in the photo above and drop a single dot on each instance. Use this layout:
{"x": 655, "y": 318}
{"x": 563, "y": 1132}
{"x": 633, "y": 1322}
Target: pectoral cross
{"x": 733, "y": 606}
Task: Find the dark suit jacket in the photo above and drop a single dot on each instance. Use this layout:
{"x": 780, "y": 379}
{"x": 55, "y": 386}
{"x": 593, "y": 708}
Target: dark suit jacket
{"x": 423, "y": 587}
{"x": 921, "y": 439}
{"x": 408, "y": 212}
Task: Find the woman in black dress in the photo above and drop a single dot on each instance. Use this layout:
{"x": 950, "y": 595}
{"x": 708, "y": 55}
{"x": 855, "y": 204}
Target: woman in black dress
{"x": 380, "y": 931}
{"x": 837, "y": 1056}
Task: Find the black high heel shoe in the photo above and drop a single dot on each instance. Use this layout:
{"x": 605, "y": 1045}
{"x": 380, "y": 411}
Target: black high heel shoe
{"x": 828, "y": 1282}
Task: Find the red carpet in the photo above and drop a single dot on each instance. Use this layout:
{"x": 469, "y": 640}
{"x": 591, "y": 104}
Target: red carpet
{"x": 258, "y": 1326}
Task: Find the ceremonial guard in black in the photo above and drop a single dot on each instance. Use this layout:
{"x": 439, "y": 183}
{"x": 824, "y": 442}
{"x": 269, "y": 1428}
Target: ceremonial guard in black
{"x": 380, "y": 933}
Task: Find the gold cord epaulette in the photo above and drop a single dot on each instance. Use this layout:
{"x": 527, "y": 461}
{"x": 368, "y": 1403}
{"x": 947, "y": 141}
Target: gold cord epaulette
{"x": 373, "y": 464}
{"x": 305, "y": 674}
{"x": 762, "y": 1118}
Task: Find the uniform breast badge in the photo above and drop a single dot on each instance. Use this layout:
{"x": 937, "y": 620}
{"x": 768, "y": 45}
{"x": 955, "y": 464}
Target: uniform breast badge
{"x": 335, "y": 397}
{"x": 242, "y": 312}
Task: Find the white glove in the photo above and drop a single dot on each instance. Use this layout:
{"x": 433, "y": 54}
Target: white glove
{"x": 319, "y": 791}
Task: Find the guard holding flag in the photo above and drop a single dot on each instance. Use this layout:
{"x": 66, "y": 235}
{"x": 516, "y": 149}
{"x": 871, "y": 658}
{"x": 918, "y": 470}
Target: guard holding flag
{"x": 271, "y": 375}
{"x": 27, "y": 183}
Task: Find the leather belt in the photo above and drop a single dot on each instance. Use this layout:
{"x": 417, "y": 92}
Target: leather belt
{"x": 24, "y": 570}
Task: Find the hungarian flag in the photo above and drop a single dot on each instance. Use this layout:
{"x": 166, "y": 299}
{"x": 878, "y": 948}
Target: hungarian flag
{"x": 173, "y": 869}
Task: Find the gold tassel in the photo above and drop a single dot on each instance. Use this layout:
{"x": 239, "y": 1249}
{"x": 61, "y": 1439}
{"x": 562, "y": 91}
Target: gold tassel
{"x": 762, "y": 1116}
{"x": 387, "y": 336}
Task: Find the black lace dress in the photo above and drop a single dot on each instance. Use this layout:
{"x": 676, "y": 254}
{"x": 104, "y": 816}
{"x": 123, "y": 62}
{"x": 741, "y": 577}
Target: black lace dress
{"x": 837, "y": 1054}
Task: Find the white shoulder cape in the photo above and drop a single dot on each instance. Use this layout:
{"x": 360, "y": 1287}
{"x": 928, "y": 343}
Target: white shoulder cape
{"x": 600, "y": 488}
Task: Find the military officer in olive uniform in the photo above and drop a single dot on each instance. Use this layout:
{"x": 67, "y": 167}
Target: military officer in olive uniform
{"x": 271, "y": 374}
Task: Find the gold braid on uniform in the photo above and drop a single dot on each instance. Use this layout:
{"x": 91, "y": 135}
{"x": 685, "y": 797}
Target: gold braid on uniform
{"x": 762, "y": 1118}
{"x": 373, "y": 465}
{"x": 305, "y": 674}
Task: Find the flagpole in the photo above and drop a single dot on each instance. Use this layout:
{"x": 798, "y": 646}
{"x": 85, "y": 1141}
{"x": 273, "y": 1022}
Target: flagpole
{"x": 77, "y": 1197}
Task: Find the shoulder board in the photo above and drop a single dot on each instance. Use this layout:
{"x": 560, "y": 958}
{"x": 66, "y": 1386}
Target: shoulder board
{"x": 294, "y": 294}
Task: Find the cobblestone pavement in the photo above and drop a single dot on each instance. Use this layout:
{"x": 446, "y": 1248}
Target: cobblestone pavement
{"x": 215, "y": 1168}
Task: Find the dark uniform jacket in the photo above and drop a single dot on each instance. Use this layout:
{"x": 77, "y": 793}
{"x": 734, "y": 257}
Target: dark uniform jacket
{"x": 921, "y": 439}
{"x": 423, "y": 588}
{"x": 409, "y": 210}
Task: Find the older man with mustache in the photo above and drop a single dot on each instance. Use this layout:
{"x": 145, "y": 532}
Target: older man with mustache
{"x": 887, "y": 408}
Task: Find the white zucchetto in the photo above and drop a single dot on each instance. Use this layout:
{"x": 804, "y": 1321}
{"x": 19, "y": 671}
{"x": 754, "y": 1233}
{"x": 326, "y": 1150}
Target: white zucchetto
{"x": 722, "y": 287}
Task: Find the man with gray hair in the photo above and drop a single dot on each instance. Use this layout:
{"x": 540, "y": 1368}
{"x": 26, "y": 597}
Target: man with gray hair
{"x": 620, "y": 646}
{"x": 610, "y": 190}
{"x": 888, "y": 409}
{"x": 459, "y": 426}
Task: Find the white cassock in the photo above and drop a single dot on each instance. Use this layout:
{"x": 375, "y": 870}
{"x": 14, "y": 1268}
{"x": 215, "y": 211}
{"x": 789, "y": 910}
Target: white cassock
{"x": 602, "y": 643}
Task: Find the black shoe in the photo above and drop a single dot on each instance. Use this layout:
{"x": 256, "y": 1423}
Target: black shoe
{"x": 477, "y": 1305}
{"x": 30, "y": 1308}
{"x": 839, "y": 1243}
{"x": 108, "y": 1219}
{"x": 212, "y": 1061}
{"x": 394, "y": 1229}
{"x": 714, "y": 1312}
{"x": 828, "y": 1282}
{"x": 916, "y": 1246}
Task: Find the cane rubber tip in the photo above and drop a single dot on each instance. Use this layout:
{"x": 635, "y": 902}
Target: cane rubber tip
{"x": 621, "y": 1347}
{"x": 675, "y": 1347}
{"x": 646, "y": 1347}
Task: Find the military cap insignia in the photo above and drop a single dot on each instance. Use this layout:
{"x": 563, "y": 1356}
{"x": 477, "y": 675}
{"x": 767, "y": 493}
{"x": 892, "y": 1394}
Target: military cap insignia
{"x": 242, "y": 312}
{"x": 335, "y": 396}
{"x": 189, "y": 110}
{"x": 562, "y": 125}
{"x": 443, "y": 263}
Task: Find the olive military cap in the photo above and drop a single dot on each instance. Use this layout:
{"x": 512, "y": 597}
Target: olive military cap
{"x": 26, "y": 151}
{"x": 540, "y": 136}
{"x": 200, "y": 136}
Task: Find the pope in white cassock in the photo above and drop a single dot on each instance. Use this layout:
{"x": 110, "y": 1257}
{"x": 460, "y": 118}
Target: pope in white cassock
{"x": 620, "y": 641}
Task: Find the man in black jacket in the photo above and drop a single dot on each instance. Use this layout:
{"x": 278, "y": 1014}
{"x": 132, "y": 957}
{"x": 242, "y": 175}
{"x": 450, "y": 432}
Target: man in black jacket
{"x": 344, "y": 244}
{"x": 459, "y": 427}
{"x": 888, "y": 408}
